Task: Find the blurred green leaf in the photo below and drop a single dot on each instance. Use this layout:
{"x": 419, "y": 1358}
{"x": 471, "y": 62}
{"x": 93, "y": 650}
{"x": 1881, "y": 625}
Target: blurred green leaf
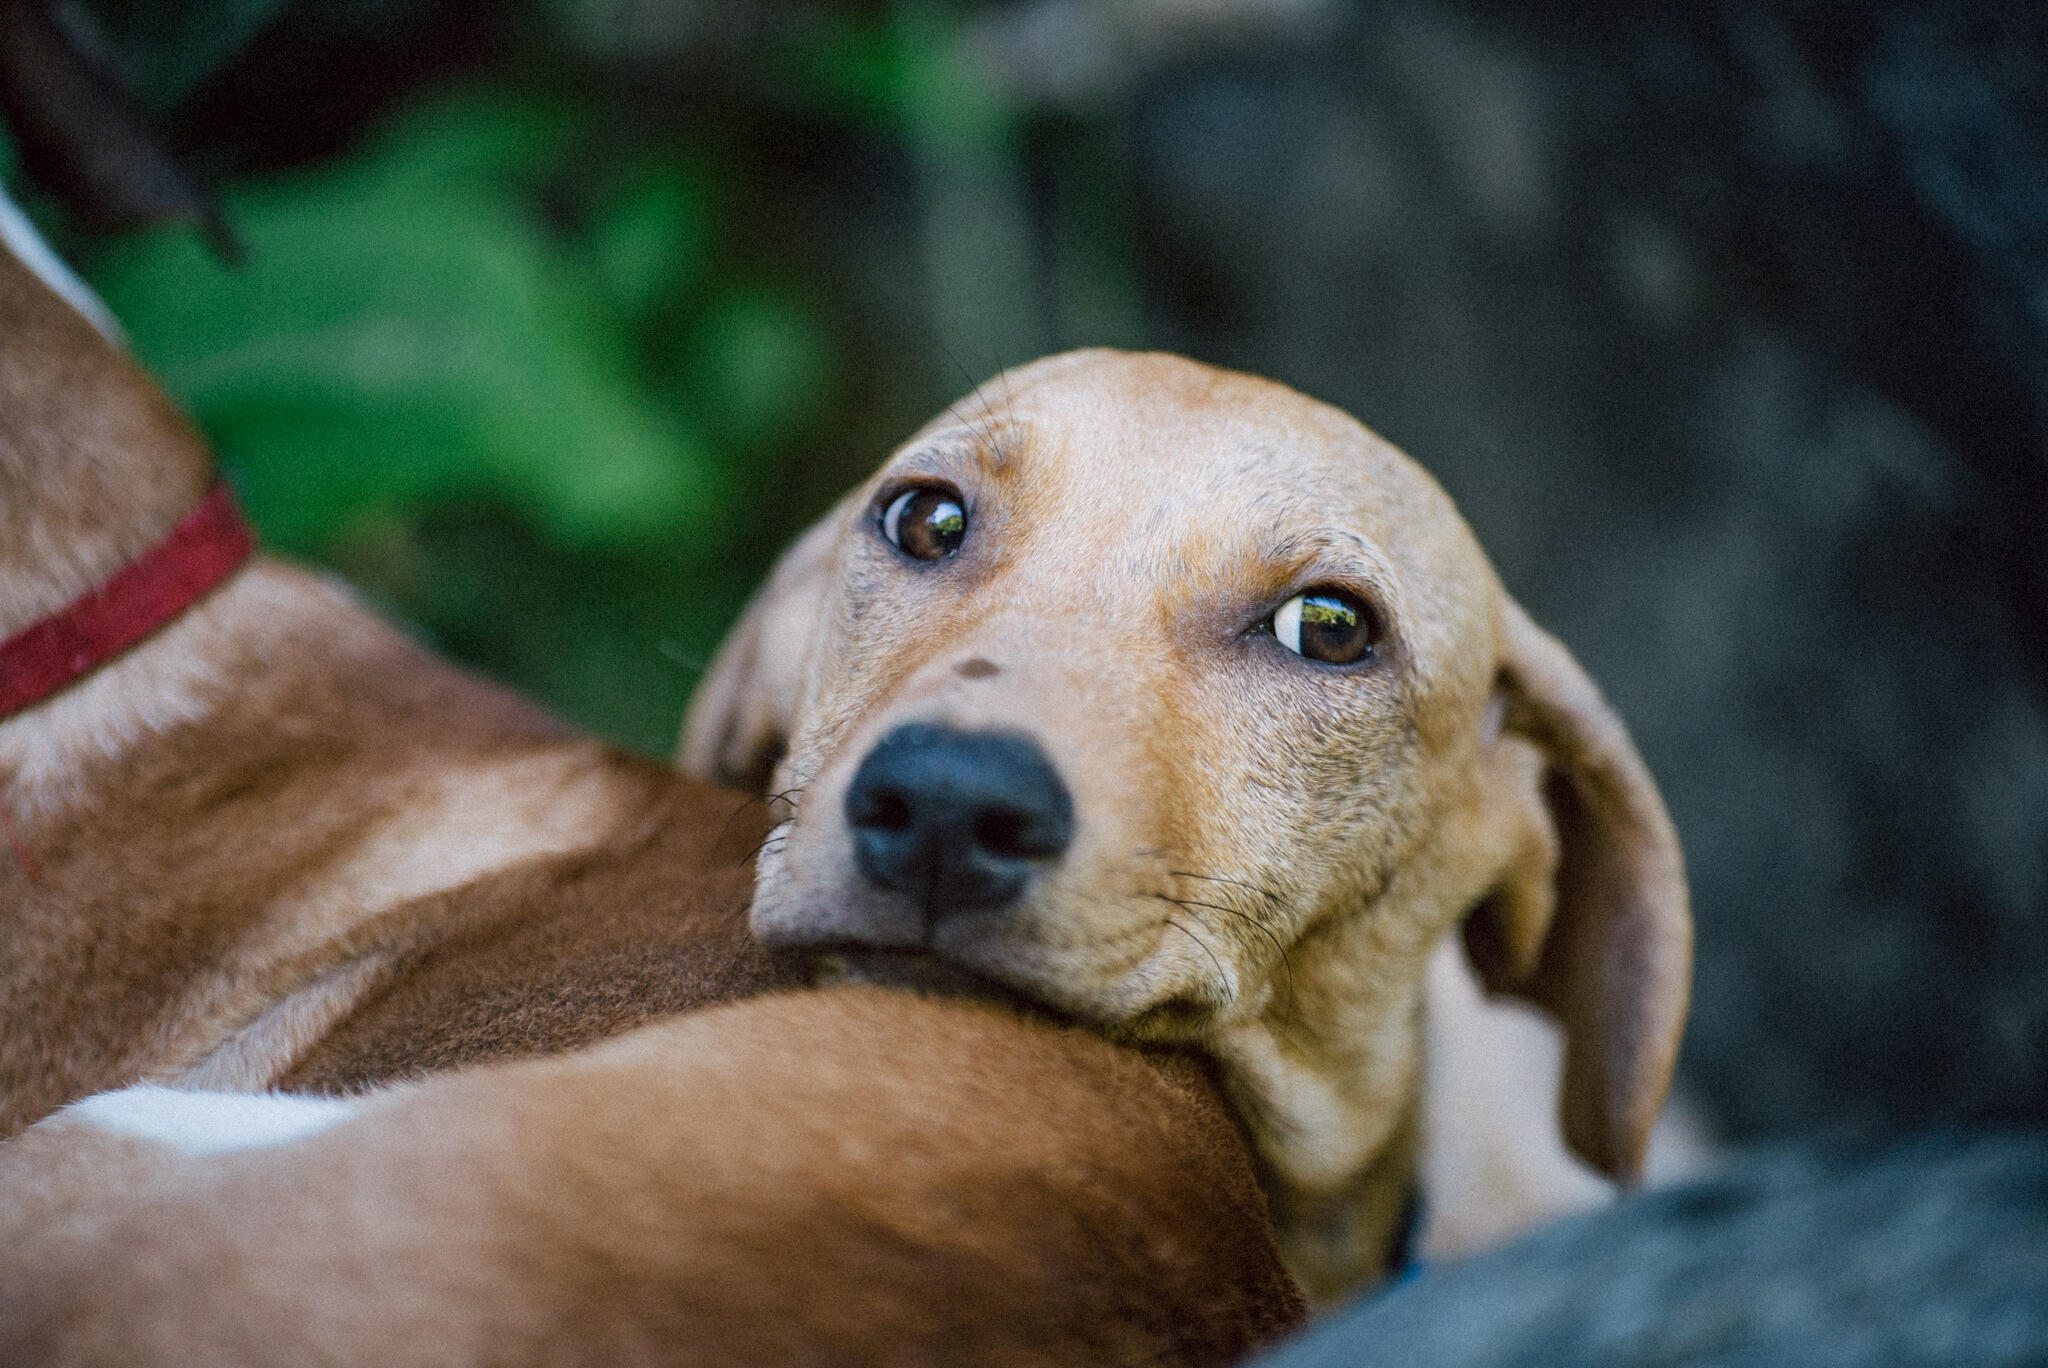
{"x": 759, "y": 366}
{"x": 902, "y": 69}
{"x": 851, "y": 67}
{"x": 650, "y": 241}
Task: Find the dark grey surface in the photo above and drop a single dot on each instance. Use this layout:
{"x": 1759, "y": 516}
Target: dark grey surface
{"x": 1935, "y": 1253}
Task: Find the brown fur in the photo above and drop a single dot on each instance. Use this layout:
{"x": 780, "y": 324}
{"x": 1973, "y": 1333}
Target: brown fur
{"x": 276, "y": 843}
{"x": 73, "y": 410}
{"x": 1266, "y": 852}
{"x": 691, "y": 1194}
{"x": 203, "y": 846}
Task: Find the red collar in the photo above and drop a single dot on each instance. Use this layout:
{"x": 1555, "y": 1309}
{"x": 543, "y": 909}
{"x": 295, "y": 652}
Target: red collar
{"x": 202, "y": 550}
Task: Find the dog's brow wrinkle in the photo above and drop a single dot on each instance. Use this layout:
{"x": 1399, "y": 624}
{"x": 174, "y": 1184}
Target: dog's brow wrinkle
{"x": 1287, "y": 547}
{"x": 1284, "y": 548}
{"x": 939, "y": 453}
{"x": 998, "y": 448}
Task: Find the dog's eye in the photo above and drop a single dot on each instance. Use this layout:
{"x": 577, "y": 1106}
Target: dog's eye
{"x": 1326, "y": 624}
{"x": 927, "y": 523}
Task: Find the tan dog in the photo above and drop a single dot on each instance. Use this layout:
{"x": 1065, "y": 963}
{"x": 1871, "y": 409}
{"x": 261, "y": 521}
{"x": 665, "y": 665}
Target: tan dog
{"x": 276, "y": 845}
{"x": 1188, "y": 706}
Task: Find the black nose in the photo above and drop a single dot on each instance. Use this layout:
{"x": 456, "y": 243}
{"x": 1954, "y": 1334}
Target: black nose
{"x": 957, "y": 820}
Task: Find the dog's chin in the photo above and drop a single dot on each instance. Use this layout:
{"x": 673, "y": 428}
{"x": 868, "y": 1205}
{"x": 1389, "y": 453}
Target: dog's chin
{"x": 848, "y": 940}
{"x": 1180, "y": 1019}
{"x": 918, "y": 971}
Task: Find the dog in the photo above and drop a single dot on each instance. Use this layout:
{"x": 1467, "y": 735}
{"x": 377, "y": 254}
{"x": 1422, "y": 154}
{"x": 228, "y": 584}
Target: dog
{"x": 1185, "y": 705}
{"x": 847, "y": 1176}
{"x": 548, "y": 1101}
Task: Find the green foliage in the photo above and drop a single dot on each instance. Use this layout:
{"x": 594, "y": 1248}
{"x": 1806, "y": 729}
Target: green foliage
{"x": 901, "y": 70}
{"x": 404, "y": 335}
{"x": 759, "y": 363}
{"x": 653, "y": 243}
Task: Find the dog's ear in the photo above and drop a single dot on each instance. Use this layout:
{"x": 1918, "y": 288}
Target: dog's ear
{"x": 1590, "y": 919}
{"x": 739, "y": 720}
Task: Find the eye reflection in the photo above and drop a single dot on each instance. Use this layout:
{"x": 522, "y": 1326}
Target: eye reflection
{"x": 1326, "y": 624}
{"x": 927, "y": 523}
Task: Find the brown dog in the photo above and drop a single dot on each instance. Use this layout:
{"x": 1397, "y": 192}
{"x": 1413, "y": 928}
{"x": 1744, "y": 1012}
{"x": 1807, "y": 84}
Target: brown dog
{"x": 850, "y": 1176}
{"x": 275, "y": 845}
{"x": 1188, "y": 706}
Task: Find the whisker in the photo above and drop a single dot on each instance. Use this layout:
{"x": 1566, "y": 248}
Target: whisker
{"x": 735, "y": 815}
{"x": 1263, "y": 892}
{"x": 1223, "y": 979}
{"x": 985, "y": 435}
{"x": 770, "y": 799}
{"x": 1286, "y": 961}
{"x": 780, "y": 829}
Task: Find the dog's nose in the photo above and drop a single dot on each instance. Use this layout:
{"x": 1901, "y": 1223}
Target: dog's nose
{"x": 957, "y": 820}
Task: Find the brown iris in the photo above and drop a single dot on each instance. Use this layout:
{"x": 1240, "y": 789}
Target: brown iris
{"x": 1327, "y": 624}
{"x": 926, "y": 523}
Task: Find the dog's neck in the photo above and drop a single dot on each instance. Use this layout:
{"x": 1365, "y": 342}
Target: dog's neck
{"x": 96, "y": 466}
{"x": 1327, "y": 1077}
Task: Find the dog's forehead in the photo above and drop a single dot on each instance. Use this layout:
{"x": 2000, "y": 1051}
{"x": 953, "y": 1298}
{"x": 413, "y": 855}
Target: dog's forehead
{"x": 1179, "y": 446}
{"x": 1136, "y": 424}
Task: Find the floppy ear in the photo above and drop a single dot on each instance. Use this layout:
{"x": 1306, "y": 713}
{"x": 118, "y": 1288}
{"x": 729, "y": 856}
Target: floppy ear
{"x": 738, "y": 724}
{"x": 1590, "y": 920}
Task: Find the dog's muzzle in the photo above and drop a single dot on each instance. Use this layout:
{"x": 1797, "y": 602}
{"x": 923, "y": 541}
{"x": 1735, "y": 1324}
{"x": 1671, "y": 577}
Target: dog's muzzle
{"x": 956, "y": 821}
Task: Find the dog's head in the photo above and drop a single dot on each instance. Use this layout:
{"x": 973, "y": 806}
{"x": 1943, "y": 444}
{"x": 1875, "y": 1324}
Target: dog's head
{"x": 1178, "y": 701}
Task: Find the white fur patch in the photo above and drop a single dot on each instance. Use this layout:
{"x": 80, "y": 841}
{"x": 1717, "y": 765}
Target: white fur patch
{"x": 20, "y": 237}
{"x": 1494, "y": 1159}
{"x": 257, "y": 1054}
{"x": 211, "y": 1122}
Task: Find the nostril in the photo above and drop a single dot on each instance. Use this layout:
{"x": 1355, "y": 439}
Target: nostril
{"x": 1015, "y": 834}
{"x": 882, "y": 810}
{"x": 1000, "y": 831}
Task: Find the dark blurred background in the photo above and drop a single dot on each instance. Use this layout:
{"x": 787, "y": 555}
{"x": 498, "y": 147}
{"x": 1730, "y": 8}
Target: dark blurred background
{"x": 1724, "y": 323}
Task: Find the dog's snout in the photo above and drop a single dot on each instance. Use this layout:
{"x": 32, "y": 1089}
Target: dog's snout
{"x": 957, "y": 820}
